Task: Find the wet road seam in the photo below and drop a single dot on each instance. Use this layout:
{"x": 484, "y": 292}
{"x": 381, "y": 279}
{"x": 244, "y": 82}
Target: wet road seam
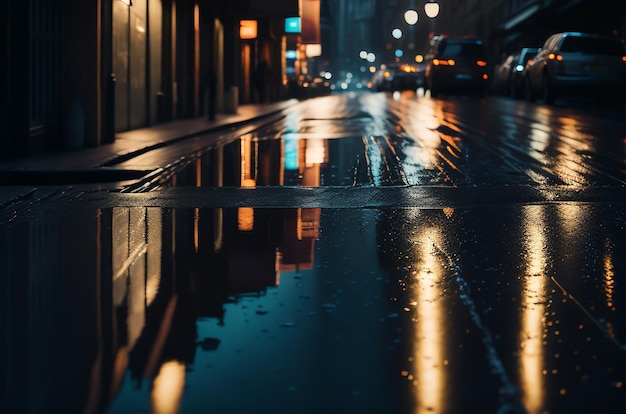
{"x": 363, "y": 197}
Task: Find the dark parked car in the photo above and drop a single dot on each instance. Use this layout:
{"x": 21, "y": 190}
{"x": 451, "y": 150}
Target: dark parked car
{"x": 456, "y": 65}
{"x": 509, "y": 76}
{"x": 517, "y": 80}
{"x": 398, "y": 77}
{"x": 582, "y": 64}
{"x": 502, "y": 75}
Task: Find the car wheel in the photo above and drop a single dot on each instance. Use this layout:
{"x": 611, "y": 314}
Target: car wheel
{"x": 548, "y": 91}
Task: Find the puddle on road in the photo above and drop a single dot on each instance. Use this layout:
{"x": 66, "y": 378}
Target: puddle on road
{"x": 315, "y": 152}
{"x": 228, "y": 310}
{"x": 309, "y": 160}
{"x": 295, "y": 160}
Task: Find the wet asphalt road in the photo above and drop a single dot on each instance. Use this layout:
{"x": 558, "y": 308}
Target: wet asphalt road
{"x": 361, "y": 253}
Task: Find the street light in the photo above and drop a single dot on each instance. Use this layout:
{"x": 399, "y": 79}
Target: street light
{"x": 411, "y": 17}
{"x": 431, "y": 9}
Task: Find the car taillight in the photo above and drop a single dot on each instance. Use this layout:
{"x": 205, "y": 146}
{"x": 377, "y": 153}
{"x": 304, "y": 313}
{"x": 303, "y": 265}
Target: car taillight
{"x": 481, "y": 63}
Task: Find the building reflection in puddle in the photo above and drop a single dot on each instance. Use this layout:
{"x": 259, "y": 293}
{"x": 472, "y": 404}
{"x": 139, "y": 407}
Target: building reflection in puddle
{"x": 251, "y": 162}
{"x": 235, "y": 252}
{"x": 103, "y": 305}
{"x": 136, "y": 314}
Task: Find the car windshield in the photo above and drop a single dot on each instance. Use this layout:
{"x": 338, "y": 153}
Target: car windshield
{"x": 463, "y": 49}
{"x": 592, "y": 45}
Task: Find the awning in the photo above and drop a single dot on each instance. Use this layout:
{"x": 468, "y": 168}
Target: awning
{"x": 568, "y": 5}
{"x": 310, "y": 22}
{"x": 520, "y": 17}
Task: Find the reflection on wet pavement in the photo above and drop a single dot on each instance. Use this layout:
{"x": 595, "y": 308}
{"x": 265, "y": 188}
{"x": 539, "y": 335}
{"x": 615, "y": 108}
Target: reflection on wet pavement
{"x": 368, "y": 139}
{"x": 533, "y": 309}
{"x": 145, "y": 309}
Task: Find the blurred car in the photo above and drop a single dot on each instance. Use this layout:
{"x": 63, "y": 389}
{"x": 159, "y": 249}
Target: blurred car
{"x": 398, "y": 77}
{"x": 509, "y": 76}
{"x": 517, "y": 81}
{"x": 310, "y": 87}
{"x": 575, "y": 63}
{"x": 380, "y": 80}
{"x": 502, "y": 75}
{"x": 456, "y": 65}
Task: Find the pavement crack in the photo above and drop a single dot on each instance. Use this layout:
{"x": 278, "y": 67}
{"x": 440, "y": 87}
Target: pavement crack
{"x": 591, "y": 317}
{"x": 510, "y": 398}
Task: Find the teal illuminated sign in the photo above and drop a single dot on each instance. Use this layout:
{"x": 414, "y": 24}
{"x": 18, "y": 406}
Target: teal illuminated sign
{"x": 293, "y": 25}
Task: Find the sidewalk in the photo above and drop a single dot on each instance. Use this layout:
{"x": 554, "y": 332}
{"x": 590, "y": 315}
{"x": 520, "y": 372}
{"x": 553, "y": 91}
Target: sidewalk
{"x": 19, "y": 177}
{"x": 138, "y": 140}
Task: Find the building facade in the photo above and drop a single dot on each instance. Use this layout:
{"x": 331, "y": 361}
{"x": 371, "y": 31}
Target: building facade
{"x": 76, "y": 72}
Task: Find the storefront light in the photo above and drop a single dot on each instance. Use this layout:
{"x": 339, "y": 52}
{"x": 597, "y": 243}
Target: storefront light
{"x": 247, "y": 29}
{"x": 313, "y": 50}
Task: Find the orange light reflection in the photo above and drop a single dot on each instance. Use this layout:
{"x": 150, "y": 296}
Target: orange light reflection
{"x": 167, "y": 388}
{"x": 428, "y": 357}
{"x": 533, "y": 310}
{"x": 609, "y": 275}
